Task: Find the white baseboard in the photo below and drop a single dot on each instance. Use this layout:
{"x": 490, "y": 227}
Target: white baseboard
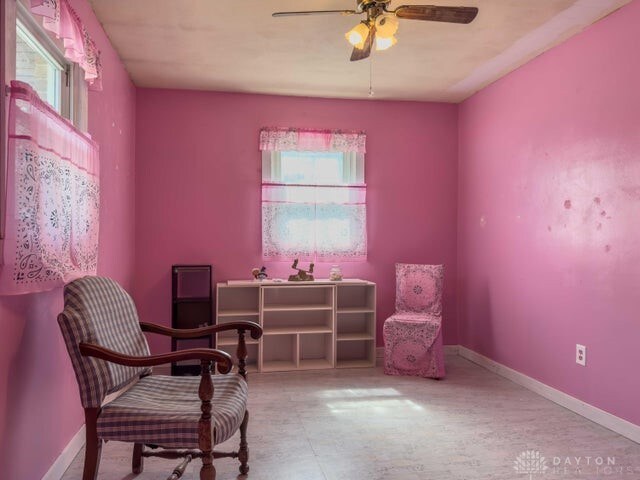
{"x": 605, "y": 419}
{"x": 451, "y": 349}
{"x": 66, "y": 457}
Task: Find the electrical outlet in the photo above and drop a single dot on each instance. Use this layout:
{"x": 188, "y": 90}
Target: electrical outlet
{"x": 581, "y": 355}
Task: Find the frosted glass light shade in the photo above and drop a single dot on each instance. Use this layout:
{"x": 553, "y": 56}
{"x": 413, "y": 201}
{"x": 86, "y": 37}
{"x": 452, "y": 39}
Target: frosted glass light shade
{"x": 357, "y": 35}
{"x": 383, "y": 43}
{"x": 386, "y": 25}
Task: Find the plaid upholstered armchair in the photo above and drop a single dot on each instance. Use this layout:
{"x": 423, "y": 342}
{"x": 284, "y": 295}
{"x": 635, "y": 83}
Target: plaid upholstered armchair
{"x": 186, "y": 416}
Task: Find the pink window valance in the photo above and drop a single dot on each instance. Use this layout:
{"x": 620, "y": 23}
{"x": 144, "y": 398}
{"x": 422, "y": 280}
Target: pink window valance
{"x": 58, "y": 17}
{"x": 288, "y": 139}
{"x": 53, "y": 197}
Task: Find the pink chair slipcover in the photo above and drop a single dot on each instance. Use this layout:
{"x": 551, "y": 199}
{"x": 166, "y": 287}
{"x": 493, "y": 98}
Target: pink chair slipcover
{"x": 413, "y": 334}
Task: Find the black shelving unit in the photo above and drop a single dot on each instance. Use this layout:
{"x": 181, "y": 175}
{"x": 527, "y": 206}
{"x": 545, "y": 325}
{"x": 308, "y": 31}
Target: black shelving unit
{"x": 191, "y": 307}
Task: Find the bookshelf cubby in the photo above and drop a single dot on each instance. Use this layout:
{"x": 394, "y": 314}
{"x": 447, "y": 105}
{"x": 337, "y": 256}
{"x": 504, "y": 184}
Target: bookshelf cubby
{"x": 307, "y": 325}
{"x": 316, "y": 350}
{"x": 280, "y": 352}
{"x": 356, "y": 353}
{"x": 191, "y": 307}
{"x": 355, "y": 326}
{"x": 356, "y": 298}
{"x": 313, "y": 321}
{"x": 238, "y": 302}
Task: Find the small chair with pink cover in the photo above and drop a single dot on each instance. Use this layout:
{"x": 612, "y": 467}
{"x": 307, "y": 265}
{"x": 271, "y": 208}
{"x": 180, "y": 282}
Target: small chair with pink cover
{"x": 413, "y": 334}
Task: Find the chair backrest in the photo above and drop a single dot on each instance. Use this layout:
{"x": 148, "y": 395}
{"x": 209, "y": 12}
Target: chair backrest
{"x": 419, "y": 288}
{"x": 98, "y": 311}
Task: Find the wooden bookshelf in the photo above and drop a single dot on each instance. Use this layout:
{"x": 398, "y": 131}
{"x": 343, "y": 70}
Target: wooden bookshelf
{"x": 307, "y": 325}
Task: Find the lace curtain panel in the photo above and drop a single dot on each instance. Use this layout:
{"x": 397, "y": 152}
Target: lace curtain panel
{"x": 52, "y": 198}
{"x": 59, "y": 18}
{"x": 313, "y": 195}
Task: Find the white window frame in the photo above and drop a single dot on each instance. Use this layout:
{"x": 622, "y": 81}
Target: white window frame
{"x": 38, "y": 39}
{"x": 353, "y": 175}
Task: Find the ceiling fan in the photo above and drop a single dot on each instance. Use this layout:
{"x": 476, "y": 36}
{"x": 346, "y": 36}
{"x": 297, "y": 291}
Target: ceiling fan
{"x": 381, "y": 24}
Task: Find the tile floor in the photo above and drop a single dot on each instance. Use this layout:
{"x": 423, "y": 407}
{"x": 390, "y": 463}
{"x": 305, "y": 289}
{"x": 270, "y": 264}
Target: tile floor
{"x": 362, "y": 425}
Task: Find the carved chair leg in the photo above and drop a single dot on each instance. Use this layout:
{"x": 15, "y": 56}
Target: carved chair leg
{"x": 207, "y": 471}
{"x": 93, "y": 446}
{"x": 137, "y": 462}
{"x": 243, "y": 454}
{"x": 205, "y": 432}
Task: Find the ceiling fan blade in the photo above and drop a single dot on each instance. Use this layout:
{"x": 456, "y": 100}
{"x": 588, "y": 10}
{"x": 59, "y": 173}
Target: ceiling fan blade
{"x": 315, "y": 12}
{"x": 365, "y": 51}
{"x": 435, "y": 13}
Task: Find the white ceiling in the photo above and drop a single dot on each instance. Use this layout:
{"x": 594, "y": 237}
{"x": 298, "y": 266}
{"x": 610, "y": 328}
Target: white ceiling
{"x": 235, "y": 45}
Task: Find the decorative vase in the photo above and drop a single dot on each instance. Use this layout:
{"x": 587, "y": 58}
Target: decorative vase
{"x": 335, "y": 274}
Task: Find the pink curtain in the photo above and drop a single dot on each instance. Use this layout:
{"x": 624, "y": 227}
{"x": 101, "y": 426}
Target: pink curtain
{"x": 58, "y": 17}
{"x": 285, "y": 139}
{"x": 314, "y": 223}
{"x": 310, "y": 219}
{"x": 52, "y": 198}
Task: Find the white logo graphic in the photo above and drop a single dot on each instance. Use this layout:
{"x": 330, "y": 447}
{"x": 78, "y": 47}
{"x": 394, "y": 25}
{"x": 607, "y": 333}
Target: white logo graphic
{"x": 530, "y": 463}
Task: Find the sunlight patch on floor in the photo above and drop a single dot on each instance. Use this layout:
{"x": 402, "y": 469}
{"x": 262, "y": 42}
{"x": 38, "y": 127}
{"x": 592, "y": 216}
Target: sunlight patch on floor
{"x": 378, "y": 406}
{"x": 359, "y": 392}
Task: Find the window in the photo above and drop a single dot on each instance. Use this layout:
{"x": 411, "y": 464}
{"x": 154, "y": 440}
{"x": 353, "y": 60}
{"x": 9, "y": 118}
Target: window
{"x": 313, "y": 205}
{"x": 45, "y": 45}
{"x": 321, "y": 168}
{"x": 40, "y": 64}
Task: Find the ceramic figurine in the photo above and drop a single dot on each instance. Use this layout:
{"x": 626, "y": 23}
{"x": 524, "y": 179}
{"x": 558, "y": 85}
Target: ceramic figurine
{"x": 303, "y": 275}
{"x": 260, "y": 274}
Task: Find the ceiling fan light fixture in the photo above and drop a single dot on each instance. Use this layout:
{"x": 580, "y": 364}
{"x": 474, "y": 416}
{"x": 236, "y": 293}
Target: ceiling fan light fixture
{"x": 386, "y": 25}
{"x": 381, "y": 23}
{"x": 384, "y": 43}
{"x": 357, "y": 35}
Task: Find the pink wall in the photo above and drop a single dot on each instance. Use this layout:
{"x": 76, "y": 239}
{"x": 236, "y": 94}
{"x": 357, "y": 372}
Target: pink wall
{"x": 548, "y": 195}
{"x": 198, "y": 198}
{"x": 549, "y": 212}
{"x": 39, "y": 403}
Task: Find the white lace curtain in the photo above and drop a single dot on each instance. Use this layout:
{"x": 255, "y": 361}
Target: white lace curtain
{"x": 313, "y": 195}
{"x": 52, "y": 204}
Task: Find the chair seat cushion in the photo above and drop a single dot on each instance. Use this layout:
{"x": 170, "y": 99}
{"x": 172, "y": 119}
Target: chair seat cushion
{"x": 165, "y": 411}
{"x": 416, "y": 317}
{"x": 413, "y": 345}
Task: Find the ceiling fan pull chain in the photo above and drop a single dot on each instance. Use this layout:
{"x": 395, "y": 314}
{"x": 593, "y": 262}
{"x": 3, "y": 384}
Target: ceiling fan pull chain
{"x": 371, "y": 76}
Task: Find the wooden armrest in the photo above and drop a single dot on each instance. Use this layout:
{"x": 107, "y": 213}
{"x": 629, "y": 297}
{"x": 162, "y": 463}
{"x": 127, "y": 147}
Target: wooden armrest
{"x": 243, "y": 325}
{"x": 203, "y": 354}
